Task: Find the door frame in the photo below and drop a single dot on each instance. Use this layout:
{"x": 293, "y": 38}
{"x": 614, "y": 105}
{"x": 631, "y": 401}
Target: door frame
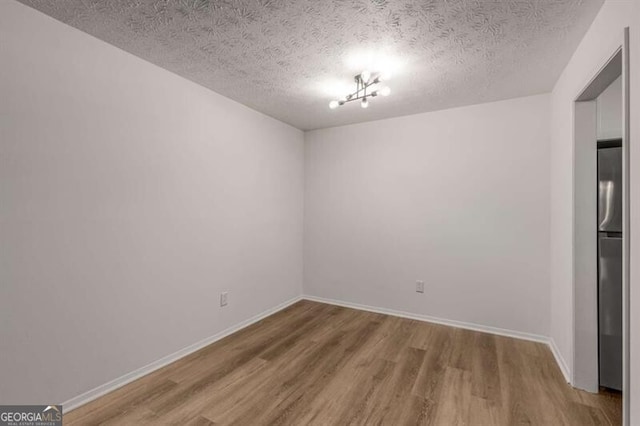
{"x": 584, "y": 243}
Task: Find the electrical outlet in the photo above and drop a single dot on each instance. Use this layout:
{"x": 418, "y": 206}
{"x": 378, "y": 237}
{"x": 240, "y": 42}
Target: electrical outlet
{"x": 419, "y": 286}
{"x": 223, "y": 298}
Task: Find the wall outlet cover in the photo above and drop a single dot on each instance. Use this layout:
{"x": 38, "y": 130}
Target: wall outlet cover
{"x": 223, "y": 298}
{"x": 419, "y": 286}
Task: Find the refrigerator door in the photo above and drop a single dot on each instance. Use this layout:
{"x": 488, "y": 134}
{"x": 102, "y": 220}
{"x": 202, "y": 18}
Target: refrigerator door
{"x": 610, "y": 189}
{"x": 610, "y": 311}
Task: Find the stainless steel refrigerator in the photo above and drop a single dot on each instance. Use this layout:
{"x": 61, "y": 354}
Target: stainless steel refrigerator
{"x": 610, "y": 266}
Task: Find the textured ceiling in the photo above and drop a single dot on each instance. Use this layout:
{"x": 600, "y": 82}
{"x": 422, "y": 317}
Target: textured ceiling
{"x": 288, "y": 59}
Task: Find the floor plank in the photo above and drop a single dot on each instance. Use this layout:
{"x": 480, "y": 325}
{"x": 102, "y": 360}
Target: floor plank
{"x": 320, "y": 364}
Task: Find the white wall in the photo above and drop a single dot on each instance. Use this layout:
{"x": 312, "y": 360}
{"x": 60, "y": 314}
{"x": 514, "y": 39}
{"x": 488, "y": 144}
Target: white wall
{"x": 129, "y": 199}
{"x": 600, "y": 42}
{"x": 457, "y": 198}
{"x": 609, "y": 107}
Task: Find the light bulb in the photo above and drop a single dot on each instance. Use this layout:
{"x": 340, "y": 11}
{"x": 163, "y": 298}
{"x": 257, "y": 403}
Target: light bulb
{"x": 385, "y": 75}
{"x": 333, "y": 104}
{"x": 364, "y": 103}
{"x": 366, "y": 75}
{"x": 385, "y": 91}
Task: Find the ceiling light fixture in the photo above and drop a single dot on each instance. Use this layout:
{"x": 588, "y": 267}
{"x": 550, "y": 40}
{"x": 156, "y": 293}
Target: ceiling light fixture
{"x": 364, "y": 81}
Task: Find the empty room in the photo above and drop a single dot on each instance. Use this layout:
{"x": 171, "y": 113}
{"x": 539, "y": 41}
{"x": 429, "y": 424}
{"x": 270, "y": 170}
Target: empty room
{"x": 371, "y": 212}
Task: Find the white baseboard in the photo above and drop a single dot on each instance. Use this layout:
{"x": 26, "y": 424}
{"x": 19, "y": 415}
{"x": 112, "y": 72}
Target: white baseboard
{"x": 460, "y": 324}
{"x": 101, "y": 390}
{"x": 560, "y": 360}
{"x": 435, "y": 320}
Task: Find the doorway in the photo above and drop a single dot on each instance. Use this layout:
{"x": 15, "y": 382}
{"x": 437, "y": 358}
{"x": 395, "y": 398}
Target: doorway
{"x": 601, "y": 231}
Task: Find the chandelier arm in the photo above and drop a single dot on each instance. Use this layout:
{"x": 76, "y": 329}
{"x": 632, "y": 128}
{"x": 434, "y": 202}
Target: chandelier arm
{"x": 361, "y": 90}
{"x": 360, "y": 87}
{"x": 355, "y": 98}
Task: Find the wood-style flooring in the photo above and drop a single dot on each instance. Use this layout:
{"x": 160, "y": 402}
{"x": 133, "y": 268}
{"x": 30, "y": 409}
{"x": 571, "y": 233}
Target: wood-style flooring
{"x": 320, "y": 364}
